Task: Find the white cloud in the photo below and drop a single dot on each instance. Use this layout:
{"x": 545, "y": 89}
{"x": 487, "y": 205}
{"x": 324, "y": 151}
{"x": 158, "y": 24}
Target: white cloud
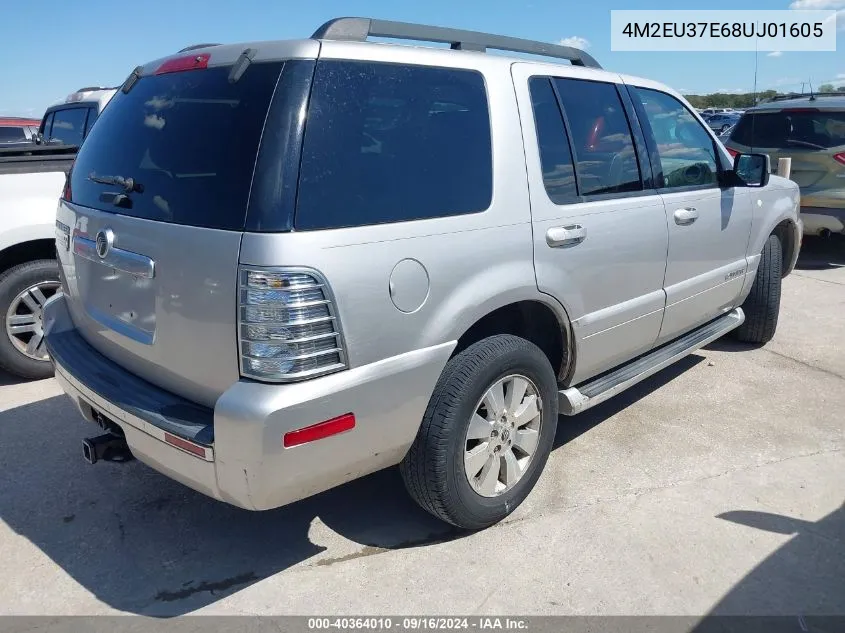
{"x": 775, "y": 54}
{"x": 817, "y": 4}
{"x": 732, "y": 91}
{"x": 838, "y": 5}
{"x": 575, "y": 41}
{"x": 839, "y": 16}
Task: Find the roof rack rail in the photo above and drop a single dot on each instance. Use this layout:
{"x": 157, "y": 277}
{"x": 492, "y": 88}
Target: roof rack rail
{"x": 90, "y": 88}
{"x": 359, "y": 29}
{"x": 798, "y": 95}
{"x": 194, "y": 47}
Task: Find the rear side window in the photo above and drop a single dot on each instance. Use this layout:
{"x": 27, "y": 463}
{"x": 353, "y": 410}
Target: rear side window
{"x": 807, "y": 128}
{"x": 604, "y": 150}
{"x": 68, "y": 126}
{"x": 188, "y": 140}
{"x": 391, "y": 143}
{"x": 12, "y": 134}
{"x": 552, "y": 141}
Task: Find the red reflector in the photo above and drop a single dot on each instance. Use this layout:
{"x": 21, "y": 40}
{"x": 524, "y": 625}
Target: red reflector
{"x": 184, "y": 444}
{"x": 733, "y": 153}
{"x": 839, "y": 158}
{"x": 178, "y": 64}
{"x": 334, "y": 426}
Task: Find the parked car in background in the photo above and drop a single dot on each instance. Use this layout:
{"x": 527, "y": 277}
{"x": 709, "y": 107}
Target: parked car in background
{"x": 223, "y": 264}
{"x": 32, "y": 176}
{"x": 811, "y": 131}
{"x": 69, "y": 121}
{"x": 725, "y": 135}
{"x": 719, "y": 123}
{"x": 17, "y": 131}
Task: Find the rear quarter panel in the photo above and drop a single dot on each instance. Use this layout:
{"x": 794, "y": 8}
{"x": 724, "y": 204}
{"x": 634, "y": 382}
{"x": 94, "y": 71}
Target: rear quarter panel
{"x": 466, "y": 266}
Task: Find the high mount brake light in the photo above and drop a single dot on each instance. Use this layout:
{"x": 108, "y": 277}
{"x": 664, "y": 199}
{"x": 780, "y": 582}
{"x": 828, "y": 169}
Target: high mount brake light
{"x": 187, "y": 62}
{"x": 839, "y": 158}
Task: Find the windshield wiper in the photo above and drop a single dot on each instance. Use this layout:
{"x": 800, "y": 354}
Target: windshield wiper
{"x": 129, "y": 185}
{"x": 795, "y": 141}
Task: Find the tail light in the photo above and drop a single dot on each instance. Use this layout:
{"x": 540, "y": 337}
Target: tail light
{"x": 839, "y": 158}
{"x": 733, "y": 153}
{"x": 66, "y": 192}
{"x": 288, "y": 326}
{"x": 180, "y": 64}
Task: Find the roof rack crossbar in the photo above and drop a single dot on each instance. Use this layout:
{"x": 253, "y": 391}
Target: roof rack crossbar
{"x": 359, "y": 29}
{"x": 798, "y": 95}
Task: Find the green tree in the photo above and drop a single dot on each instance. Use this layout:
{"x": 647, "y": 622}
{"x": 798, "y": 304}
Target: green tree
{"x": 840, "y": 89}
{"x": 827, "y": 88}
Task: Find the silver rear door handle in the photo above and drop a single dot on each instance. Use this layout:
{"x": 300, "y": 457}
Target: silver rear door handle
{"x": 565, "y": 235}
{"x": 686, "y": 216}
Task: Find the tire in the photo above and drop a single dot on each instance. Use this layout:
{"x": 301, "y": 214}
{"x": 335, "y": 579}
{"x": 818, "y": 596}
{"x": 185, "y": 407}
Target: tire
{"x": 41, "y": 273}
{"x": 724, "y": 128}
{"x": 434, "y": 470}
{"x": 762, "y": 305}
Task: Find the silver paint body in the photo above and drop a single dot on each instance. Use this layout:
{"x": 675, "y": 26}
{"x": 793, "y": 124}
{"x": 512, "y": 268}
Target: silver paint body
{"x": 620, "y": 275}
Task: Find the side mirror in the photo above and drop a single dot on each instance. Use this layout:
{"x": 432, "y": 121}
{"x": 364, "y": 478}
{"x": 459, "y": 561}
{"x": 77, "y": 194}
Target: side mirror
{"x": 753, "y": 170}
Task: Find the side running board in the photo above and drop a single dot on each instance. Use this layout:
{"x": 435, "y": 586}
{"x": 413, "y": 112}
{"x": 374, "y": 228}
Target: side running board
{"x": 577, "y": 399}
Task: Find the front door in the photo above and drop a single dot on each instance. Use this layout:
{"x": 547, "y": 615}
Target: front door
{"x": 709, "y": 225}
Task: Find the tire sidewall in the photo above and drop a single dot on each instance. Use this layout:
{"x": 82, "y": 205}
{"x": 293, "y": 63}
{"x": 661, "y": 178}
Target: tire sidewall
{"x": 13, "y": 283}
{"x": 532, "y": 363}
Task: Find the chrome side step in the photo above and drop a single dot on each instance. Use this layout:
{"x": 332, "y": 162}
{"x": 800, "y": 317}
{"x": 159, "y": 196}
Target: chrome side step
{"x": 577, "y": 399}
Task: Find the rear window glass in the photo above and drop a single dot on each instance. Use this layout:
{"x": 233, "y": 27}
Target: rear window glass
{"x": 188, "y": 140}
{"x": 390, "y": 143}
{"x": 793, "y": 129}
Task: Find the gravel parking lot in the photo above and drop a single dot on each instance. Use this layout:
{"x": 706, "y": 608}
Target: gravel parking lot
{"x": 715, "y": 487}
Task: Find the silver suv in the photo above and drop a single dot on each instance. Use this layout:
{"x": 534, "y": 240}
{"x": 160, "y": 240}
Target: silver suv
{"x": 286, "y": 265}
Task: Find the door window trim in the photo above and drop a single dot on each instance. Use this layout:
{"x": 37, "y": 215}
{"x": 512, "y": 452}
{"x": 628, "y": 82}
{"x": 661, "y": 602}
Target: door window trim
{"x": 638, "y": 138}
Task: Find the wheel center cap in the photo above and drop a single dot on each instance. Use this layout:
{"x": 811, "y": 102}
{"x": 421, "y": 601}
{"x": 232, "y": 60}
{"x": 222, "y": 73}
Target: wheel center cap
{"x": 505, "y": 435}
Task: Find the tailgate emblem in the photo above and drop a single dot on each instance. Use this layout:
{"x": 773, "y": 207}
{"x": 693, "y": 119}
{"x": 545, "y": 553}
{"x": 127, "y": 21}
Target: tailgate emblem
{"x": 105, "y": 239}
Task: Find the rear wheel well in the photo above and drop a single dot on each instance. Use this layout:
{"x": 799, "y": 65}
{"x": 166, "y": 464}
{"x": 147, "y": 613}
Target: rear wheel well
{"x": 786, "y": 235}
{"x": 27, "y": 252}
{"x": 531, "y": 320}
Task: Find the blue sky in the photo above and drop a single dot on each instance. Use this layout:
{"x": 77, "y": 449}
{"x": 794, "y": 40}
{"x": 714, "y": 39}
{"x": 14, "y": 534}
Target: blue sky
{"x": 62, "y": 45}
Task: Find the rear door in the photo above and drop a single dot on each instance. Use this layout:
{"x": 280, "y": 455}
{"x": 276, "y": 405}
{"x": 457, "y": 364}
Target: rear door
{"x": 600, "y": 234}
{"x": 709, "y": 225}
{"x": 158, "y": 199}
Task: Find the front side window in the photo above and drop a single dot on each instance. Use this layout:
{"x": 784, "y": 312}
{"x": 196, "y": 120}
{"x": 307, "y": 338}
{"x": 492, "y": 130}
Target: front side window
{"x": 392, "y": 143}
{"x": 92, "y": 116}
{"x": 46, "y": 127}
{"x": 686, "y": 150}
{"x": 68, "y": 126}
{"x": 605, "y": 158}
